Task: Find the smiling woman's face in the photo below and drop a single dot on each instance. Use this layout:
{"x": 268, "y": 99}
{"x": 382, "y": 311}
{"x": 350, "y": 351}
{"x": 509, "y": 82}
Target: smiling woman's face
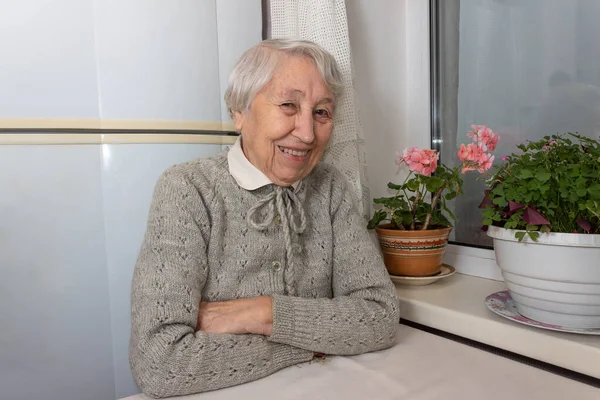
{"x": 289, "y": 123}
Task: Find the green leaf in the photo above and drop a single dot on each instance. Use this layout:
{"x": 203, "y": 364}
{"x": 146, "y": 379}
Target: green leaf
{"x": 498, "y": 190}
{"x": 532, "y": 227}
{"x": 391, "y": 202}
{"x": 594, "y": 190}
{"x": 534, "y": 236}
{"x": 433, "y": 184}
{"x": 525, "y": 174}
{"x": 533, "y": 184}
{"x": 510, "y": 224}
{"x": 381, "y": 200}
{"x": 451, "y": 195}
{"x": 378, "y": 216}
{"x": 406, "y": 218}
{"x": 574, "y": 172}
{"x": 543, "y": 176}
{"x": 393, "y": 186}
{"x": 412, "y": 185}
{"x": 488, "y": 212}
{"x": 573, "y": 197}
{"x": 520, "y": 235}
{"x": 499, "y": 201}
{"x": 582, "y": 192}
{"x": 487, "y": 221}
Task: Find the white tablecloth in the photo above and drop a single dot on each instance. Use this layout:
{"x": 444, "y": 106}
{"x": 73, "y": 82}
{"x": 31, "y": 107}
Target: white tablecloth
{"x": 421, "y": 366}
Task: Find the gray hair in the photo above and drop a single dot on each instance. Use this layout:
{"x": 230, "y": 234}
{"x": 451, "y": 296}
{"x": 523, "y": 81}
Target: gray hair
{"x": 255, "y": 68}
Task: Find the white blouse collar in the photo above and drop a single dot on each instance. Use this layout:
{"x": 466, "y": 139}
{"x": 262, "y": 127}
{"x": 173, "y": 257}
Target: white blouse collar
{"x": 245, "y": 173}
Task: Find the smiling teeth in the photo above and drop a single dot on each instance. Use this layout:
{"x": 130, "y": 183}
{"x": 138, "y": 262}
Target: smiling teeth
{"x": 294, "y": 152}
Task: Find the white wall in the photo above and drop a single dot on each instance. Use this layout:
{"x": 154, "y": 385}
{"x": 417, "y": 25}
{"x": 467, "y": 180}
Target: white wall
{"x": 394, "y": 99}
{"x": 163, "y": 66}
{"x": 55, "y": 341}
{"x": 48, "y": 67}
{"x": 121, "y": 60}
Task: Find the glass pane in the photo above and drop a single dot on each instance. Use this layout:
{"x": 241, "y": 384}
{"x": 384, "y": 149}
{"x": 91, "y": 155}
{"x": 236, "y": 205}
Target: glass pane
{"x": 525, "y": 68}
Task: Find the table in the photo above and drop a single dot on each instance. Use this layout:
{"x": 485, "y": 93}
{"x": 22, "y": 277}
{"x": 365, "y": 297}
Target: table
{"x": 421, "y": 366}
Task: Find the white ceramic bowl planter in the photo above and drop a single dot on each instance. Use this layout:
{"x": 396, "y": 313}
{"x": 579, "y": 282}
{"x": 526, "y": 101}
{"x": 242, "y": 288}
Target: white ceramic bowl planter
{"x": 555, "y": 280}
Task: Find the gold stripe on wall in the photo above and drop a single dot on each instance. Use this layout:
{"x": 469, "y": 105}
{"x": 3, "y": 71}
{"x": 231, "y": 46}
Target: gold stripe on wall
{"x": 155, "y": 136}
{"x": 112, "y": 138}
{"x": 114, "y": 124}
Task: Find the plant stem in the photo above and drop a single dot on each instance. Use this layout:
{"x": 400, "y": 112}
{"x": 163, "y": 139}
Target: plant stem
{"x": 414, "y": 208}
{"x": 433, "y": 204}
{"x": 403, "y": 190}
{"x": 436, "y": 197}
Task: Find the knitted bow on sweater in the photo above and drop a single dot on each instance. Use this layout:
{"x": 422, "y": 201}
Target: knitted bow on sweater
{"x": 288, "y": 205}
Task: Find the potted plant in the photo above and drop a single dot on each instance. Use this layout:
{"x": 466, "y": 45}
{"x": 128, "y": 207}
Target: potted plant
{"x": 414, "y": 239}
{"x": 542, "y": 208}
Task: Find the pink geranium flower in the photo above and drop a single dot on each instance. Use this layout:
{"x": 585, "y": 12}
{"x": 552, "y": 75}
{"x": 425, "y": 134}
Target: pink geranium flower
{"x": 419, "y": 184}
{"x": 421, "y": 161}
{"x": 467, "y": 168}
{"x": 550, "y": 143}
{"x": 464, "y": 152}
{"x": 474, "y": 157}
{"x": 484, "y": 136}
{"x": 399, "y": 159}
{"x": 485, "y": 162}
{"x": 470, "y": 152}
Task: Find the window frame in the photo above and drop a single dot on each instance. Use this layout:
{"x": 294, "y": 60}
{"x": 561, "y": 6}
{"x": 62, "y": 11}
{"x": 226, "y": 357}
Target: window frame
{"x": 423, "y": 118}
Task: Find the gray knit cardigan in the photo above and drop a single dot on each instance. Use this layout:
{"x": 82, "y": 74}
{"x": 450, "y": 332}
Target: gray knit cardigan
{"x": 308, "y": 250}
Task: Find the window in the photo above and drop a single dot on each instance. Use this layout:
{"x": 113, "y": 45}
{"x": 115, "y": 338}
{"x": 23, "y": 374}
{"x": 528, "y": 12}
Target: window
{"x": 526, "y": 68}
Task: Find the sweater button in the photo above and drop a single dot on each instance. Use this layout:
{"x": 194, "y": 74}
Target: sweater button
{"x": 276, "y": 265}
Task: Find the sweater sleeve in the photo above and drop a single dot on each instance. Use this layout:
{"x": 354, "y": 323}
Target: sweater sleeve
{"x": 363, "y": 314}
{"x": 167, "y": 357}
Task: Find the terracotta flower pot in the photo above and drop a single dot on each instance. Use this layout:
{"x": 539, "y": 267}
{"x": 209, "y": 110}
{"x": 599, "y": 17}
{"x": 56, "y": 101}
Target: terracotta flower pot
{"x": 413, "y": 253}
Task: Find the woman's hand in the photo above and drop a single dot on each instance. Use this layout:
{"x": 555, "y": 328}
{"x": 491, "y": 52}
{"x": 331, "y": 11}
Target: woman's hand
{"x": 253, "y": 315}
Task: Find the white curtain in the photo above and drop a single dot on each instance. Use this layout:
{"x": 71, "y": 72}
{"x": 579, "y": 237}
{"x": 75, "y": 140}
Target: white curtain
{"x": 324, "y": 22}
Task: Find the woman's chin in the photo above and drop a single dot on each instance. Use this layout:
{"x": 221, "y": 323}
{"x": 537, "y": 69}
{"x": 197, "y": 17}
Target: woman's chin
{"x": 289, "y": 173}
{"x": 287, "y": 179}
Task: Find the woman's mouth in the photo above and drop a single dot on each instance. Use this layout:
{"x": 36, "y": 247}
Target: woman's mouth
{"x": 296, "y": 153}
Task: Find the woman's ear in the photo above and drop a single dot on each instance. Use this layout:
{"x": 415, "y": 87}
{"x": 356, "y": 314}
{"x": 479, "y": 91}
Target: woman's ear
{"x": 239, "y": 117}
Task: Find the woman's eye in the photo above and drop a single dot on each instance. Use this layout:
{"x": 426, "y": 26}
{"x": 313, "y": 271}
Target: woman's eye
{"x": 322, "y": 113}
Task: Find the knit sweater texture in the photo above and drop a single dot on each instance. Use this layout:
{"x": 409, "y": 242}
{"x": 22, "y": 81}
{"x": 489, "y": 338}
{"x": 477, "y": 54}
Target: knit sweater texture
{"x": 334, "y": 296}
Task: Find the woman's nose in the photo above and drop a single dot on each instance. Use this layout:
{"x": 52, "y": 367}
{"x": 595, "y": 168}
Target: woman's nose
{"x": 304, "y": 129}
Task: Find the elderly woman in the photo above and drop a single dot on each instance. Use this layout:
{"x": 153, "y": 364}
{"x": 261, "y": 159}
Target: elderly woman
{"x": 257, "y": 259}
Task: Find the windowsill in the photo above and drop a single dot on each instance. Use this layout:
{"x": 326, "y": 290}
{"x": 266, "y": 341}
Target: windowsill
{"x": 456, "y": 305}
